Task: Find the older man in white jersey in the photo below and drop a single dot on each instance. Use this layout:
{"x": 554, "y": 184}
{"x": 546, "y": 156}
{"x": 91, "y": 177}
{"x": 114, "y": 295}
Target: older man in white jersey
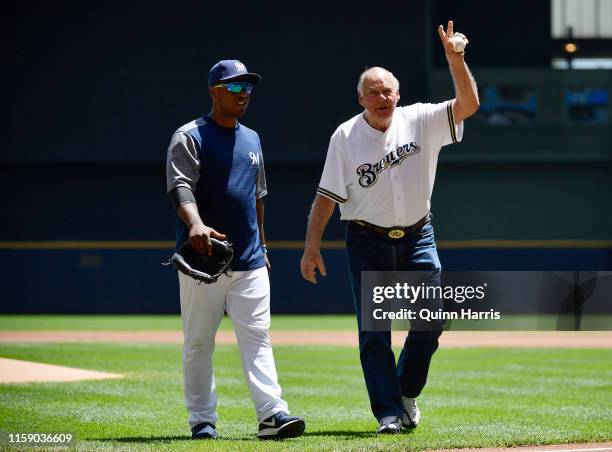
{"x": 380, "y": 169}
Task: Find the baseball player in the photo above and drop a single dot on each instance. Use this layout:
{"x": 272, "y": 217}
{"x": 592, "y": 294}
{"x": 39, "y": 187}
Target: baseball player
{"x": 380, "y": 169}
{"x": 216, "y": 181}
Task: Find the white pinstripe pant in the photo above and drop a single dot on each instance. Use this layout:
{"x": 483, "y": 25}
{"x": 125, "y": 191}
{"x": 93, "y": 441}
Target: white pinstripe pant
{"x": 246, "y": 299}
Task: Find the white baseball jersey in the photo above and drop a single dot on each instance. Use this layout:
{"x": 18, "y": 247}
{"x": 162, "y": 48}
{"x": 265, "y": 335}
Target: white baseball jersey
{"x": 386, "y": 178}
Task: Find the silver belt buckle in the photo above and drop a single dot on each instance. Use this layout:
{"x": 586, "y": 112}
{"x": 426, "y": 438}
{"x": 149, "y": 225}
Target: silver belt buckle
{"x": 396, "y": 233}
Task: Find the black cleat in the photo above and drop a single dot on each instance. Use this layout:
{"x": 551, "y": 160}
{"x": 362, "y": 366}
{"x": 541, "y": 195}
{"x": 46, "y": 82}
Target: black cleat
{"x": 204, "y": 430}
{"x": 281, "y": 426}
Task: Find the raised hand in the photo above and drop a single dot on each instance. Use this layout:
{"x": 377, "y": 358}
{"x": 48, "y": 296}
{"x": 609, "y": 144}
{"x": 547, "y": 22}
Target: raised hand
{"x": 447, "y": 43}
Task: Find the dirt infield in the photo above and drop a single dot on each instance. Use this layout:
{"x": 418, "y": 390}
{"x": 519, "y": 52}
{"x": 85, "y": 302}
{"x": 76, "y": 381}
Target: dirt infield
{"x": 17, "y": 371}
{"x": 587, "y": 447}
{"x": 527, "y": 339}
{"x": 13, "y": 371}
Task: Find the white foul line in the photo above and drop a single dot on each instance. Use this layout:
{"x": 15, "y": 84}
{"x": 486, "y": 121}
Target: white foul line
{"x": 576, "y": 450}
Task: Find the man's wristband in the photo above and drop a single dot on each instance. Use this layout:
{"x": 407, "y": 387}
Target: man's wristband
{"x": 264, "y": 248}
{"x": 181, "y": 195}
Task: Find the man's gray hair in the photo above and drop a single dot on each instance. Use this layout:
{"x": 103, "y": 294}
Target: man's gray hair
{"x": 371, "y": 70}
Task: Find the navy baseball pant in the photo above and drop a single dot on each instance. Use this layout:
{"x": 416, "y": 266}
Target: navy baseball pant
{"x": 387, "y": 382}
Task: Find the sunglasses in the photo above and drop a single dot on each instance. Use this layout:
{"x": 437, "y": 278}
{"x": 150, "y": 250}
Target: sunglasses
{"x": 236, "y": 87}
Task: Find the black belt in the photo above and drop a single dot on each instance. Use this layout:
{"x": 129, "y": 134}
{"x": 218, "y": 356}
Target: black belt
{"x": 395, "y": 232}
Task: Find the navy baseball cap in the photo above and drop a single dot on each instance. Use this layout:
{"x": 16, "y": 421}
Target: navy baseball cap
{"x": 229, "y": 69}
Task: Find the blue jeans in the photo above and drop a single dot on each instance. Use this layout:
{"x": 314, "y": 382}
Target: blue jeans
{"x": 387, "y": 382}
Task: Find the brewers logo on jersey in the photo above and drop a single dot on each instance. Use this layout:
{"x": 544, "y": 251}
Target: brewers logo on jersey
{"x": 378, "y": 176}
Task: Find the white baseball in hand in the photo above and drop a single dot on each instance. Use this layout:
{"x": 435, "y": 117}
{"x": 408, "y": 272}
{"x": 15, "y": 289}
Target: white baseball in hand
{"x": 459, "y": 42}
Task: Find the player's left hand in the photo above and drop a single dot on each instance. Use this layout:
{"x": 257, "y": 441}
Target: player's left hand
{"x": 445, "y": 36}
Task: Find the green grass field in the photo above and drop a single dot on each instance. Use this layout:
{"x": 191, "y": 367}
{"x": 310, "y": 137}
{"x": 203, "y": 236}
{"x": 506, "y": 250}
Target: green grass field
{"x": 475, "y": 397}
{"x": 161, "y": 322}
{"x": 286, "y": 322}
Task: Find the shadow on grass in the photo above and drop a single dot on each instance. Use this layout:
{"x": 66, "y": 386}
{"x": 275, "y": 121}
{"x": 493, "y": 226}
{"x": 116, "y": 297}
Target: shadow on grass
{"x": 339, "y": 434}
{"x": 142, "y": 439}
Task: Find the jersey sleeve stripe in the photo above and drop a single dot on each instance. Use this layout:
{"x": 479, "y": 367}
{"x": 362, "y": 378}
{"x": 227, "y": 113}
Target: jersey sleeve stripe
{"x": 451, "y": 120}
{"x": 330, "y": 195}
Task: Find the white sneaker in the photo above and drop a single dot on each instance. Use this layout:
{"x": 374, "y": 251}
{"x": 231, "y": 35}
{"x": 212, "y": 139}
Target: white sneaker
{"x": 390, "y": 424}
{"x": 412, "y": 414}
